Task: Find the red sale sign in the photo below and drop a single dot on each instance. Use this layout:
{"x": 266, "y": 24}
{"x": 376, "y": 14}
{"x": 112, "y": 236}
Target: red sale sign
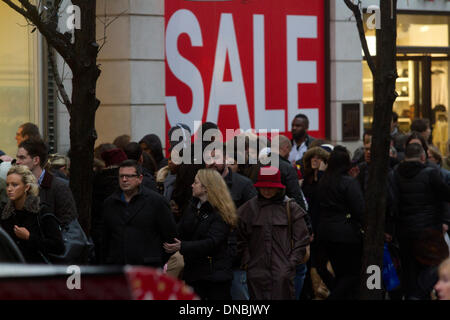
{"x": 245, "y": 63}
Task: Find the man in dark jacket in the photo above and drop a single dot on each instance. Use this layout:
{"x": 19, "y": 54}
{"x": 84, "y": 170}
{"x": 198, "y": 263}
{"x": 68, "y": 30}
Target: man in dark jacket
{"x": 418, "y": 191}
{"x": 136, "y": 222}
{"x": 53, "y": 191}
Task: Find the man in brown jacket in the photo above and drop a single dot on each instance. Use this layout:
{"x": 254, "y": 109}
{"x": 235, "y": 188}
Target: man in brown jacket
{"x": 272, "y": 239}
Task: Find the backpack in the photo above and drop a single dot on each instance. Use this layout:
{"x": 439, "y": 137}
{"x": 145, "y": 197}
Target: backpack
{"x": 77, "y": 245}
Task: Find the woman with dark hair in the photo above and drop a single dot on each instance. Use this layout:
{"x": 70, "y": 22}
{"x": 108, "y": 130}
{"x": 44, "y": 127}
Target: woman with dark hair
{"x": 151, "y": 144}
{"x": 416, "y": 137}
{"x": 340, "y": 210}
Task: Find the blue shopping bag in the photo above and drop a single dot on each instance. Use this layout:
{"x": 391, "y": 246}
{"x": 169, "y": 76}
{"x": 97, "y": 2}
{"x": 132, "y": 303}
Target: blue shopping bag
{"x": 390, "y": 277}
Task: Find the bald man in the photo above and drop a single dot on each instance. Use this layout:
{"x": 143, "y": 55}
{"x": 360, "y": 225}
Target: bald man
{"x": 285, "y": 147}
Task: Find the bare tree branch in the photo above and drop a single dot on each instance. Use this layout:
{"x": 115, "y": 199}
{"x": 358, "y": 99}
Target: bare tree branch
{"x": 58, "y": 80}
{"x": 48, "y": 28}
{"x": 16, "y": 7}
{"x": 359, "y": 23}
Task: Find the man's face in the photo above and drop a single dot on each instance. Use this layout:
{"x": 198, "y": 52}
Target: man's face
{"x": 285, "y": 150}
{"x": 299, "y": 128}
{"x": 23, "y": 158}
{"x": 129, "y": 181}
{"x": 19, "y": 137}
{"x": 367, "y": 146}
{"x": 217, "y": 161}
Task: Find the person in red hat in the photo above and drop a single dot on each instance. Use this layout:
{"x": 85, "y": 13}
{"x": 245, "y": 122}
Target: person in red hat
{"x": 272, "y": 238}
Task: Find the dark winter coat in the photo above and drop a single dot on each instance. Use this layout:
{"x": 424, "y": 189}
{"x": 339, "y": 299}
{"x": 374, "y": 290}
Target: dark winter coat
{"x": 241, "y": 188}
{"x": 134, "y": 232}
{"x": 419, "y": 191}
{"x": 55, "y": 193}
{"x": 340, "y": 209}
{"x": 204, "y": 244}
{"x": 45, "y": 235}
{"x": 265, "y": 245}
{"x": 289, "y": 178}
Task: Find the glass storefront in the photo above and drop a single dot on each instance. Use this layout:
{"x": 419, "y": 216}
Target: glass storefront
{"x": 18, "y": 103}
{"x": 423, "y": 75}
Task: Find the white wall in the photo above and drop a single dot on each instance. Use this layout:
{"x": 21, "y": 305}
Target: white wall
{"x": 345, "y": 68}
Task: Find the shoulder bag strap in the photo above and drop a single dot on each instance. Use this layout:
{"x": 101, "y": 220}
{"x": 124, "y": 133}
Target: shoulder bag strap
{"x": 288, "y": 210}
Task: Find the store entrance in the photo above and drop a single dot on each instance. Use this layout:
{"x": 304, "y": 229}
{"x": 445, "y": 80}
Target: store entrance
{"x": 423, "y": 87}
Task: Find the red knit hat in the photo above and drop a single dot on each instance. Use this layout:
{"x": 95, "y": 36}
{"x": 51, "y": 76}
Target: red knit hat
{"x": 114, "y": 157}
{"x": 269, "y": 177}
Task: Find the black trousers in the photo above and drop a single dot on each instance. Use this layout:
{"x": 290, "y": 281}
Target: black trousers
{"x": 208, "y": 290}
{"x": 345, "y": 259}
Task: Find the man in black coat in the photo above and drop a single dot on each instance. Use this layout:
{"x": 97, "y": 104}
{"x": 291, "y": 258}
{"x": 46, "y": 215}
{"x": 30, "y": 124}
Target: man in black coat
{"x": 418, "y": 191}
{"x": 137, "y": 222}
{"x": 53, "y": 191}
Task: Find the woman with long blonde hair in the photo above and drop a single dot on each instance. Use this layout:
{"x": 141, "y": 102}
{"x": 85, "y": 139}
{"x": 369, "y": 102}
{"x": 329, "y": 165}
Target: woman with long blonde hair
{"x": 203, "y": 232}
{"x": 30, "y": 224}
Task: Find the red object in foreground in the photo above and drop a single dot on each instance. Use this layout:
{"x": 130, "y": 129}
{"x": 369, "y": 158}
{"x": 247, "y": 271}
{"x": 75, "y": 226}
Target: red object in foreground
{"x": 152, "y": 284}
{"x": 52, "y": 282}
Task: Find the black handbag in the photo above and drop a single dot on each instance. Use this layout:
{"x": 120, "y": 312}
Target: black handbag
{"x": 76, "y": 243}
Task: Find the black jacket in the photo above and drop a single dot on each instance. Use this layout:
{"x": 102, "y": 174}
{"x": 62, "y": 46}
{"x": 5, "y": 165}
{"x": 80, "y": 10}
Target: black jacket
{"x": 45, "y": 234}
{"x": 241, "y": 188}
{"x": 204, "y": 244}
{"x": 340, "y": 209}
{"x": 418, "y": 194}
{"x": 134, "y": 233}
{"x": 55, "y": 193}
{"x": 289, "y": 178}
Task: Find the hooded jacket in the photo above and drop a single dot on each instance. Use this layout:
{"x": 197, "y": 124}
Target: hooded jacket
{"x": 264, "y": 242}
{"x": 418, "y": 192}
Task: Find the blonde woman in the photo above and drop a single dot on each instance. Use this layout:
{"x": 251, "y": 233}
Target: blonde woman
{"x": 35, "y": 232}
{"x": 442, "y": 287}
{"x": 203, "y": 232}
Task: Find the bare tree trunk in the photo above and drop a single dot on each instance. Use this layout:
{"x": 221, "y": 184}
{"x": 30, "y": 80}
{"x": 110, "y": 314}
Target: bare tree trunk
{"x": 384, "y": 97}
{"x": 84, "y": 106}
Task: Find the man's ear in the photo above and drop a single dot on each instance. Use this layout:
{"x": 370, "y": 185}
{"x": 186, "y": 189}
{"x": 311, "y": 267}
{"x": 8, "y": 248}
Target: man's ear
{"x": 36, "y": 161}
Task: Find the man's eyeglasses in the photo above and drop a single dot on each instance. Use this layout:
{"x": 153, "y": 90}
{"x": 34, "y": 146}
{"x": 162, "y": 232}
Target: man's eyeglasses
{"x": 128, "y": 176}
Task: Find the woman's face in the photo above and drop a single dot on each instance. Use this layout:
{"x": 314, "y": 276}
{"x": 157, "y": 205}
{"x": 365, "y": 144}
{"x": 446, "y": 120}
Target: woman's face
{"x": 268, "y": 193}
{"x": 198, "y": 189}
{"x": 431, "y": 157}
{"x": 315, "y": 162}
{"x": 15, "y": 188}
{"x": 442, "y": 287}
{"x": 145, "y": 148}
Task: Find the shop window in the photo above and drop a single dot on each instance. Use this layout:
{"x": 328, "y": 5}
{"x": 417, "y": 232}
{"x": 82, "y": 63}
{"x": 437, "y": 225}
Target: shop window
{"x": 17, "y": 76}
{"x": 423, "y": 75}
{"x": 422, "y": 30}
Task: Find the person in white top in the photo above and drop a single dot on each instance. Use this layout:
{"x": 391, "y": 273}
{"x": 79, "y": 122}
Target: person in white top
{"x": 300, "y": 138}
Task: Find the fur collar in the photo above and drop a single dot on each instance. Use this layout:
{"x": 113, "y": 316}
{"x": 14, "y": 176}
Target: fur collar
{"x": 31, "y": 205}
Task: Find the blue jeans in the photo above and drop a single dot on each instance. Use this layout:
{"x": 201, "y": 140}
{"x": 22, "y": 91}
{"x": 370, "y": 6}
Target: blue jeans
{"x": 300, "y": 274}
{"x": 239, "y": 289}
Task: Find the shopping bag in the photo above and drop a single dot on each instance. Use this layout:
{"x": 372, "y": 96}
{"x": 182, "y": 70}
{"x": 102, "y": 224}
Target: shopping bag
{"x": 390, "y": 277}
